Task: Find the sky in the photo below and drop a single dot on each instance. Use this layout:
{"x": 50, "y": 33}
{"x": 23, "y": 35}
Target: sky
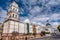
{"x": 37, "y": 11}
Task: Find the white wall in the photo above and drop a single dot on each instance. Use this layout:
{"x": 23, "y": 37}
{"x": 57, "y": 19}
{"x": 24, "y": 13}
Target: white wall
{"x": 31, "y": 29}
{"x": 21, "y": 30}
{"x": 20, "y": 27}
{"x": 5, "y": 29}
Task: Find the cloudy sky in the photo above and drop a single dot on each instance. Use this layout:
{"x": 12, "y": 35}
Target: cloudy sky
{"x": 38, "y": 11}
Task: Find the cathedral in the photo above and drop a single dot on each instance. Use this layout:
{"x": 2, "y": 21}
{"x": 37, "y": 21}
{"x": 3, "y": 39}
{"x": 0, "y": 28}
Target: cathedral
{"x": 12, "y": 25}
{"x": 13, "y": 29}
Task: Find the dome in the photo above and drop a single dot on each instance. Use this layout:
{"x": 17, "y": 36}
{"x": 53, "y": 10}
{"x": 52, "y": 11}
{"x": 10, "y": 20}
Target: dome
{"x": 27, "y": 21}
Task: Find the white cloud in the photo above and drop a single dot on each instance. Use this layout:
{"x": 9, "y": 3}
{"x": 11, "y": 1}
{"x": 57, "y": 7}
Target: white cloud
{"x": 39, "y": 18}
{"x": 41, "y": 24}
{"x": 23, "y": 18}
{"x": 32, "y": 2}
{"x": 36, "y": 9}
{"x": 58, "y": 1}
{"x": 3, "y": 14}
{"x": 43, "y": 18}
{"x": 53, "y": 2}
{"x": 55, "y": 16}
{"x": 55, "y": 24}
{"x": 33, "y": 22}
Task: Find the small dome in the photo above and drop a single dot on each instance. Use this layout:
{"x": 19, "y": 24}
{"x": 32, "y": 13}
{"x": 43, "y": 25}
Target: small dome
{"x": 27, "y": 21}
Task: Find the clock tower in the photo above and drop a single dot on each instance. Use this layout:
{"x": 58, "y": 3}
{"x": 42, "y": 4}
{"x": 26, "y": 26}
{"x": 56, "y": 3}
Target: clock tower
{"x": 12, "y": 22}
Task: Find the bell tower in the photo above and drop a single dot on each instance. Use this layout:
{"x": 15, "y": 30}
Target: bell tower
{"x": 12, "y": 23}
{"x": 13, "y": 11}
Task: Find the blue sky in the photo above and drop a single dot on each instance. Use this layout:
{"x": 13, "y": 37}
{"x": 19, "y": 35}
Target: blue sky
{"x": 38, "y": 11}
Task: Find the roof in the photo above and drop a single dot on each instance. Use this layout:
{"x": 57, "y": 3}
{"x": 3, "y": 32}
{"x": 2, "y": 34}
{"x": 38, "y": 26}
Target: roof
{"x": 14, "y": 4}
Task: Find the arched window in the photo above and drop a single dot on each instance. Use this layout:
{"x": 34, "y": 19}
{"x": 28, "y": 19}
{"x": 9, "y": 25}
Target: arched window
{"x": 15, "y": 16}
